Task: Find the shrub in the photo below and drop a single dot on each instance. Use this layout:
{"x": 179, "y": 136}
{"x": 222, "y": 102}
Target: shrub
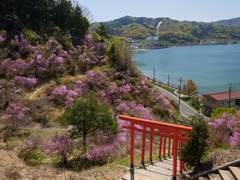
{"x": 219, "y": 111}
{"x": 195, "y": 149}
{"x": 30, "y": 146}
{"x": 158, "y": 110}
{"x": 131, "y": 109}
{"x": 219, "y": 130}
{"x": 100, "y": 155}
{"x": 19, "y": 47}
{"x": 174, "y": 104}
{"x": 61, "y": 144}
{"x": 9, "y": 93}
{"x": 40, "y": 111}
{"x": 31, "y": 36}
{"x": 17, "y": 115}
{"x": 227, "y": 127}
{"x": 87, "y": 116}
{"x": 62, "y": 95}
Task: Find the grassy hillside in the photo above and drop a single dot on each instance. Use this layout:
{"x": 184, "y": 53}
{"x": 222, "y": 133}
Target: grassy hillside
{"x": 41, "y": 80}
{"x": 141, "y": 28}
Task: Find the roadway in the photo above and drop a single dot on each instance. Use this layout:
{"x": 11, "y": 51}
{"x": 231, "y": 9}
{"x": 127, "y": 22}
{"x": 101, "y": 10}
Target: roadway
{"x": 185, "y": 109}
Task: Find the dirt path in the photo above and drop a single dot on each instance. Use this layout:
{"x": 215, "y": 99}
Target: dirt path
{"x": 48, "y": 127}
{"x": 37, "y": 90}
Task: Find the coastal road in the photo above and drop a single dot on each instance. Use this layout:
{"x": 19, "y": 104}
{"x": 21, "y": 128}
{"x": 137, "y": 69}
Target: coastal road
{"x": 185, "y": 109}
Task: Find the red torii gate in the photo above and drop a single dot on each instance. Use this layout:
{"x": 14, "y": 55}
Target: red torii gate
{"x": 164, "y": 130}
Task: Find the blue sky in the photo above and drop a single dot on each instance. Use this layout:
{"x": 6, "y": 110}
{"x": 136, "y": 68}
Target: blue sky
{"x": 192, "y": 10}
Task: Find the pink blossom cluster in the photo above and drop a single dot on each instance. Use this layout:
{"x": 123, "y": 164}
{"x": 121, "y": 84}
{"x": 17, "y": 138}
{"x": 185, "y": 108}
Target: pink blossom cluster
{"x": 62, "y": 95}
{"x": 47, "y": 67}
{"x": 17, "y": 115}
{"x": 61, "y": 144}
{"x": 95, "y": 81}
{"x": 101, "y": 154}
{"x": 14, "y": 68}
{"x": 131, "y": 109}
{"x": 20, "y": 44}
{"x": 53, "y": 46}
{"x": 41, "y": 61}
{"x": 34, "y": 141}
{"x": 91, "y": 55}
{"x": 124, "y": 89}
{"x": 2, "y": 38}
{"x": 103, "y": 147}
{"x": 24, "y": 81}
{"x": 228, "y": 124}
{"x": 8, "y": 91}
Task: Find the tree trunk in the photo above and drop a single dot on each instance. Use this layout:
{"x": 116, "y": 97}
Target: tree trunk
{"x": 84, "y": 139}
{"x": 6, "y": 104}
{"x": 84, "y": 143}
{"x": 64, "y": 161}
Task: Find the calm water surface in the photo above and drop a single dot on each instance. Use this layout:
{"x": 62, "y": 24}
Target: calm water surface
{"x": 213, "y": 68}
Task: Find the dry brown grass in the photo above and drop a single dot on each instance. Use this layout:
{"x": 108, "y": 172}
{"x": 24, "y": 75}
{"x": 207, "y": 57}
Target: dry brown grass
{"x": 216, "y": 158}
{"x": 12, "y": 167}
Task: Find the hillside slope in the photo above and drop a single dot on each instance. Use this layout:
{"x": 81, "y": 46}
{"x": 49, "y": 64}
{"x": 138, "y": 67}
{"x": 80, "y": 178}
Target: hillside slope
{"x": 141, "y": 28}
{"x": 229, "y": 22}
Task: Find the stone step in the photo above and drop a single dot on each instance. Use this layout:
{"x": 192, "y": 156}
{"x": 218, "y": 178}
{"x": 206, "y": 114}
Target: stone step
{"x": 226, "y": 175}
{"x": 203, "y": 178}
{"x": 235, "y": 171}
{"x": 214, "y": 176}
{"x": 161, "y": 170}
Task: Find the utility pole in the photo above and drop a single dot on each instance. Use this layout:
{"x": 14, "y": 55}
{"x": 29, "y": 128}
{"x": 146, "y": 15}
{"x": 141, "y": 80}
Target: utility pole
{"x": 180, "y": 90}
{"x": 168, "y": 80}
{"x": 153, "y": 75}
{"x": 230, "y": 89}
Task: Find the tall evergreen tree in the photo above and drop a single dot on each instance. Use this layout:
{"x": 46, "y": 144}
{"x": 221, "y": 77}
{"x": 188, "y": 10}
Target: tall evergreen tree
{"x": 80, "y": 24}
{"x": 40, "y": 14}
{"x": 102, "y": 31}
{"x": 87, "y": 116}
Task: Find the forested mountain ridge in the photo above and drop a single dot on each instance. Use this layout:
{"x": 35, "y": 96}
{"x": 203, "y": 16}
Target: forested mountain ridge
{"x": 141, "y": 28}
{"x": 229, "y": 22}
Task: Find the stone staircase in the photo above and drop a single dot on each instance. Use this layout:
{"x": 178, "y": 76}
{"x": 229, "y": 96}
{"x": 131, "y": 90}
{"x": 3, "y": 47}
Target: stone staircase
{"x": 228, "y": 171}
{"x": 159, "y": 170}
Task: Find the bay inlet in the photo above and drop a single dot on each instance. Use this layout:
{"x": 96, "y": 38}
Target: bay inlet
{"x": 212, "y": 67}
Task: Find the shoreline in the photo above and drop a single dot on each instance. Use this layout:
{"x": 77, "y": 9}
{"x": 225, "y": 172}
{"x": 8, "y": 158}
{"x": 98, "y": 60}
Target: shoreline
{"x": 188, "y": 46}
{"x": 170, "y": 86}
{"x": 206, "y": 86}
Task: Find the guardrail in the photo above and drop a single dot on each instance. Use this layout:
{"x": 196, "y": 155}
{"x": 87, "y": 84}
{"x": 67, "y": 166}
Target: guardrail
{"x": 173, "y": 132}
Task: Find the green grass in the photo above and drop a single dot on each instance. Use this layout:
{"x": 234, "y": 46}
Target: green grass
{"x": 137, "y": 161}
{"x": 164, "y": 87}
{"x": 197, "y": 109}
{"x": 37, "y": 159}
{"x": 190, "y": 104}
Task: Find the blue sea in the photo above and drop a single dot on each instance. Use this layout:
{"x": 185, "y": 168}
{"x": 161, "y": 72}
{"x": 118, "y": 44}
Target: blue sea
{"x": 212, "y": 67}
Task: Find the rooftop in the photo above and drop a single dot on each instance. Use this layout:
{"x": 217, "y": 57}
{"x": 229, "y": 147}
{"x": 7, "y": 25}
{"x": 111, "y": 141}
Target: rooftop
{"x": 224, "y": 95}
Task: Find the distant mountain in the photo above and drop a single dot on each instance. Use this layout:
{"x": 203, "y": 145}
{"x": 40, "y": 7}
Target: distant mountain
{"x": 169, "y": 30}
{"x": 229, "y": 22}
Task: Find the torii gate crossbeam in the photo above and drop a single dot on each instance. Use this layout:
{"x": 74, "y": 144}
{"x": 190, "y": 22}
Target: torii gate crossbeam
{"x": 164, "y": 130}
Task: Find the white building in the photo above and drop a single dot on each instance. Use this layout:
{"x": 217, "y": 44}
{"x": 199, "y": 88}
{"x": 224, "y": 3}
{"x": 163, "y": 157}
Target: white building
{"x": 151, "y": 38}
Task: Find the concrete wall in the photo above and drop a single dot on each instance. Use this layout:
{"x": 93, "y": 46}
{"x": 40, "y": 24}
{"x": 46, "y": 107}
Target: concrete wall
{"x": 210, "y": 103}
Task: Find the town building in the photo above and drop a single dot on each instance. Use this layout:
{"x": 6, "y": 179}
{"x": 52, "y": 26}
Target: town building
{"x": 151, "y": 38}
{"x": 215, "y": 100}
